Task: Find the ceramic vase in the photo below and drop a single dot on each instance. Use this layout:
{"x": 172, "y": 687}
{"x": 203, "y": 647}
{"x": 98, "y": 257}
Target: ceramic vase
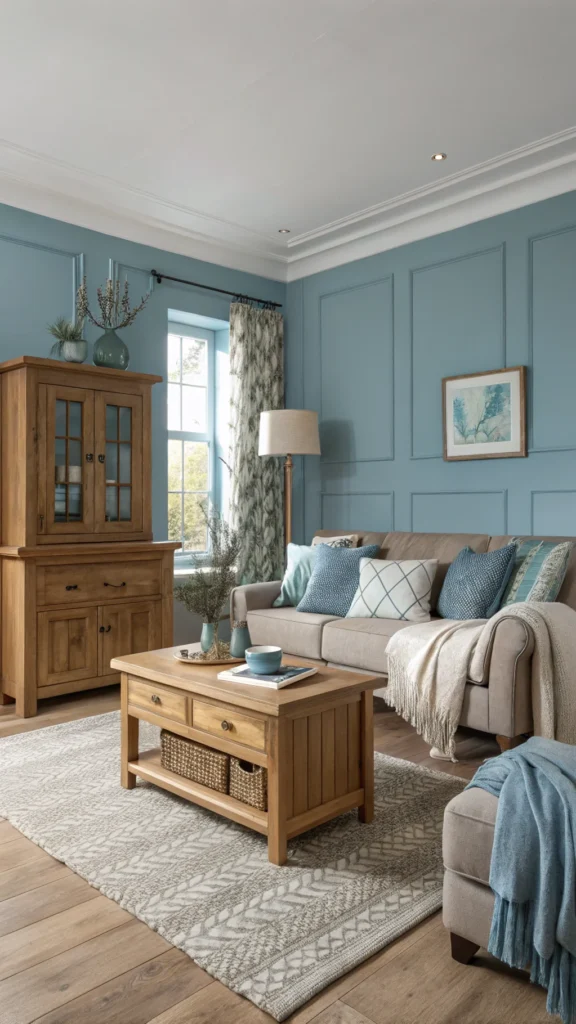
{"x": 75, "y": 351}
{"x": 209, "y": 635}
{"x": 239, "y": 640}
{"x": 111, "y": 351}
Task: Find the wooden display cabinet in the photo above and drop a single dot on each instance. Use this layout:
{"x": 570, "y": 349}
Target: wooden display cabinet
{"x": 82, "y": 580}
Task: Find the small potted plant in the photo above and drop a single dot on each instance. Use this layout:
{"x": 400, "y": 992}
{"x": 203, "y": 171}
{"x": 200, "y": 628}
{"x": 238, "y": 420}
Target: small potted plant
{"x": 207, "y": 589}
{"x": 115, "y": 315}
{"x": 69, "y": 344}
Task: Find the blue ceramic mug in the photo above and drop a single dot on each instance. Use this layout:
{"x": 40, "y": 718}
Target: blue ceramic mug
{"x": 264, "y": 661}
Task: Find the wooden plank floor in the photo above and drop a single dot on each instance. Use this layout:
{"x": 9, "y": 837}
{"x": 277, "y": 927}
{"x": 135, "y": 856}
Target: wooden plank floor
{"x": 70, "y": 956}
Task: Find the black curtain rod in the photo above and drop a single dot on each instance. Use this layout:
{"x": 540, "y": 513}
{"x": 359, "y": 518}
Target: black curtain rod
{"x": 208, "y": 287}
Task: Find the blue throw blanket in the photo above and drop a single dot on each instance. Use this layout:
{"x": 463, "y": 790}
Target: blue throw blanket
{"x": 533, "y": 867}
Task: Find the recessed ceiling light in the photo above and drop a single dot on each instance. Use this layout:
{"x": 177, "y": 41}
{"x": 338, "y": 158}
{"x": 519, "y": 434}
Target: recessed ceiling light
{"x": 438, "y": 156}
{"x": 283, "y": 231}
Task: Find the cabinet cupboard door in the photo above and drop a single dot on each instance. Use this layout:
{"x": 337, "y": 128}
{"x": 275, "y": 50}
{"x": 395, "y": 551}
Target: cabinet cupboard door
{"x": 119, "y": 462}
{"x": 67, "y": 645}
{"x": 127, "y": 628}
{"x": 65, "y": 424}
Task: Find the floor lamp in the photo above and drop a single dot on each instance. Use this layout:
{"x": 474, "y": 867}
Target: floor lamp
{"x": 289, "y": 432}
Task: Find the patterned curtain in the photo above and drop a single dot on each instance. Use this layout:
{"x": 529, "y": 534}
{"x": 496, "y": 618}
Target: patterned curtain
{"x": 257, "y": 486}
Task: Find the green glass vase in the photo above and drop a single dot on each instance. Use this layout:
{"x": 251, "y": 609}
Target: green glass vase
{"x": 111, "y": 351}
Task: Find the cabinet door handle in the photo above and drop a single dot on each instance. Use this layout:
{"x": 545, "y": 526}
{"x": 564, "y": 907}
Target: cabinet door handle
{"x": 105, "y": 629}
{"x": 89, "y": 457}
{"x": 156, "y": 699}
{"x": 101, "y": 458}
{"x": 226, "y": 725}
{"x": 114, "y": 584}
{"x": 72, "y": 586}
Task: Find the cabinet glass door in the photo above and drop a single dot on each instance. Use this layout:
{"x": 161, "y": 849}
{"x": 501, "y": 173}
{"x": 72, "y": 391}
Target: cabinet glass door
{"x": 119, "y": 467}
{"x": 66, "y": 484}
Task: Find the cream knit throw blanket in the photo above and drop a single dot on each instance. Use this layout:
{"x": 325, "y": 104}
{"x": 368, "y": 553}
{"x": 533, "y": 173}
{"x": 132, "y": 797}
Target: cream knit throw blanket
{"x": 429, "y": 663}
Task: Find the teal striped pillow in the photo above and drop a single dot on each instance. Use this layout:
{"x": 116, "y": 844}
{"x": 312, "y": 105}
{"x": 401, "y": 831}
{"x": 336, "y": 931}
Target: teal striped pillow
{"x": 539, "y": 570}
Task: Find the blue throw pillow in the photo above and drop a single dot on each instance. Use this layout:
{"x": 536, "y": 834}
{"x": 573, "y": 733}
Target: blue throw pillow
{"x": 334, "y": 579}
{"x": 475, "y": 583}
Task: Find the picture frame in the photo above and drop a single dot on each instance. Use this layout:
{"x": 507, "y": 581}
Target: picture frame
{"x": 484, "y": 415}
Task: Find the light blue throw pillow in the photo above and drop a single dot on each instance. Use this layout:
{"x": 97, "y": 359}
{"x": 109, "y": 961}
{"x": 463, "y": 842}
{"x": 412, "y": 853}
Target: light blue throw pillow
{"x": 300, "y": 562}
{"x": 334, "y": 579}
{"x": 475, "y": 583}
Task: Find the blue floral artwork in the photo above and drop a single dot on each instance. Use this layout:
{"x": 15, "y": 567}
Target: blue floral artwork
{"x": 482, "y": 415}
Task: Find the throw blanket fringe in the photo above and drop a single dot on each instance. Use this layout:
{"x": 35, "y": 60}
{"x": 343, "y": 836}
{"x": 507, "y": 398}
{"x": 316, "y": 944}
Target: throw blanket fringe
{"x": 436, "y": 728}
{"x": 512, "y": 941}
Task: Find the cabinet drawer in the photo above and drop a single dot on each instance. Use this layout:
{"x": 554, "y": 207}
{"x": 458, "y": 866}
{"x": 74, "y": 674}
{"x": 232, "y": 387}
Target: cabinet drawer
{"x": 162, "y": 702}
{"x": 105, "y": 581}
{"x": 235, "y": 726}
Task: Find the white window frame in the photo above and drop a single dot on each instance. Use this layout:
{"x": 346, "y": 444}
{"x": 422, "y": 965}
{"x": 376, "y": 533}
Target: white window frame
{"x": 183, "y": 558}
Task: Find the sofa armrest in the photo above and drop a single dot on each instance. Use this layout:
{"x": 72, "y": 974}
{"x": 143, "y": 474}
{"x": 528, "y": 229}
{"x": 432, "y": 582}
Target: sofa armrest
{"x": 251, "y": 596}
{"x": 509, "y": 673}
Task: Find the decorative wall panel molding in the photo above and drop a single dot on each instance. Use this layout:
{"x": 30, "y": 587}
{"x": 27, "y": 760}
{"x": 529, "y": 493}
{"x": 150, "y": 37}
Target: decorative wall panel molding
{"x": 76, "y": 262}
{"x": 459, "y": 512}
{"x": 552, "y": 341}
{"x": 553, "y": 513}
{"x": 360, "y": 511}
{"x": 356, "y": 353}
{"x": 121, "y": 271}
{"x": 457, "y": 326}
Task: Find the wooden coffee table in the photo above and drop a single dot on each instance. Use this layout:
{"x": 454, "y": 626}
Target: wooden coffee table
{"x": 314, "y": 737}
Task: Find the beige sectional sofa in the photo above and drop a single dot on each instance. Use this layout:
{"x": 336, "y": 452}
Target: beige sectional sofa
{"x": 500, "y": 705}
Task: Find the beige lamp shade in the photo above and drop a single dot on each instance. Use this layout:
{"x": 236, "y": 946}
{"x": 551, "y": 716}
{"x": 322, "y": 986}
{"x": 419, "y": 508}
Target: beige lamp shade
{"x": 289, "y": 432}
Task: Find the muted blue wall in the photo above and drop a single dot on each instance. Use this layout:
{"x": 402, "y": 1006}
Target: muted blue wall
{"x": 369, "y": 342}
{"x": 43, "y": 260}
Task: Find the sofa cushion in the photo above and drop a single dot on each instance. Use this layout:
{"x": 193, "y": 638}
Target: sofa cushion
{"x": 468, "y": 835}
{"x": 394, "y": 590}
{"x": 567, "y": 593}
{"x": 443, "y": 546}
{"x": 334, "y": 579}
{"x": 475, "y": 583}
{"x": 298, "y": 633}
{"x": 359, "y": 643}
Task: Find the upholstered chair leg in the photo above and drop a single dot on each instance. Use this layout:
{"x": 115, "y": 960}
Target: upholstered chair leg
{"x": 462, "y": 949}
{"x": 509, "y": 742}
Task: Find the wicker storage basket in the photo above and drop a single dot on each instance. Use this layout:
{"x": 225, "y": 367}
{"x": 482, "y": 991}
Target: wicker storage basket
{"x": 249, "y": 783}
{"x": 193, "y": 761}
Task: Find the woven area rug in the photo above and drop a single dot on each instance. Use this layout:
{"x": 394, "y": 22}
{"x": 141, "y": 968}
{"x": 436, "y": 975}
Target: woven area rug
{"x": 277, "y": 935}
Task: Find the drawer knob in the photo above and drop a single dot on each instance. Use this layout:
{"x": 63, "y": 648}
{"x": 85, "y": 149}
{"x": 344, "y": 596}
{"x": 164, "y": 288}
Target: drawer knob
{"x": 114, "y": 584}
{"x": 105, "y": 629}
{"x": 226, "y": 725}
{"x": 156, "y": 699}
{"x": 72, "y": 586}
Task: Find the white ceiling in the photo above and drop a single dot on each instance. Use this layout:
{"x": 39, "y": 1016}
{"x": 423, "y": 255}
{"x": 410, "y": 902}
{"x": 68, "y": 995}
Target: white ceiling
{"x": 203, "y": 127}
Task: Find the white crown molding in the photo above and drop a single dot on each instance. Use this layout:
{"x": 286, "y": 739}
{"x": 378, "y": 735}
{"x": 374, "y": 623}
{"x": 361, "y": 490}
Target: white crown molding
{"x": 527, "y": 175}
{"x": 52, "y": 188}
{"x": 55, "y": 189}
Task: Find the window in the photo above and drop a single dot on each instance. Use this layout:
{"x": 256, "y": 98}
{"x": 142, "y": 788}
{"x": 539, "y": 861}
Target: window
{"x": 191, "y": 442}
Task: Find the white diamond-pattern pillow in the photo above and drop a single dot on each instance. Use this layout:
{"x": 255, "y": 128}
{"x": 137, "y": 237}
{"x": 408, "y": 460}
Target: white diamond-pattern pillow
{"x": 394, "y": 590}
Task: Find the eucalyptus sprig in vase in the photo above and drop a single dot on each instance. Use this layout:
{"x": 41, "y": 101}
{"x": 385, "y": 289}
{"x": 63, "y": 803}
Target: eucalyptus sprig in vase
{"x": 206, "y": 591}
{"x": 115, "y": 315}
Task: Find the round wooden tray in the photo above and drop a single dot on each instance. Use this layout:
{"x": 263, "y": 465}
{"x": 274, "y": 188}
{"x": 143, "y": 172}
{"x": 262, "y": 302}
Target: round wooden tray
{"x": 196, "y": 649}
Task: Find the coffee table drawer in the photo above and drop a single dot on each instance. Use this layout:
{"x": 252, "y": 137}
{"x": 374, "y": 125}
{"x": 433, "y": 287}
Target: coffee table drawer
{"x": 235, "y": 726}
{"x": 162, "y": 702}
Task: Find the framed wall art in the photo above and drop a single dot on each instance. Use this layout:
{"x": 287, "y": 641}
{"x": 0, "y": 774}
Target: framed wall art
{"x": 485, "y": 415}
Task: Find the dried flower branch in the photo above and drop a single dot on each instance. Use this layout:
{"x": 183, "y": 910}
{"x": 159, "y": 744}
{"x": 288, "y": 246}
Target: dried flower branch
{"x": 115, "y": 311}
{"x": 207, "y": 589}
